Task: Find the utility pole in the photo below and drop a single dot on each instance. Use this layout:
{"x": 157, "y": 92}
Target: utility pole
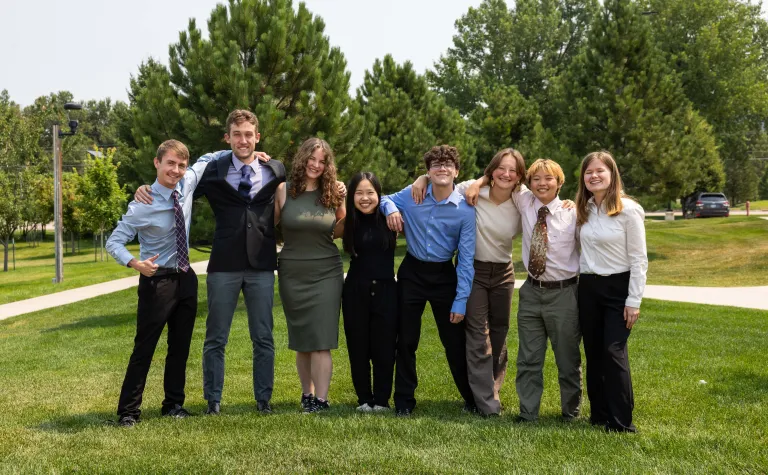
{"x": 57, "y": 207}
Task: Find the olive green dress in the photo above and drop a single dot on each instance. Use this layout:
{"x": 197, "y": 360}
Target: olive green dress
{"x": 310, "y": 273}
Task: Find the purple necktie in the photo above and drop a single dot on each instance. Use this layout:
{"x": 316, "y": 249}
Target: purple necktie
{"x": 182, "y": 252}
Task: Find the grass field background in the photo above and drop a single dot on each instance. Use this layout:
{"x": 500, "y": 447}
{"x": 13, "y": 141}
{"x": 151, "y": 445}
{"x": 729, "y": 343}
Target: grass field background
{"x": 62, "y": 368}
{"x": 727, "y": 252}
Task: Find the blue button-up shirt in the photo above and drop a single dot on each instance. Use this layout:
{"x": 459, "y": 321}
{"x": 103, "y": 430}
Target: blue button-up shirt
{"x": 155, "y": 223}
{"x": 260, "y": 174}
{"x": 434, "y": 230}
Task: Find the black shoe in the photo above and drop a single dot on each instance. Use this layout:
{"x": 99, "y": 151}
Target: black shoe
{"x": 307, "y": 401}
{"x": 127, "y": 421}
{"x": 403, "y": 412}
{"x": 317, "y": 406}
{"x": 470, "y": 408}
{"x": 568, "y": 419}
{"x": 523, "y": 420}
{"x": 263, "y": 407}
{"x": 629, "y": 430}
{"x": 176, "y": 411}
{"x": 214, "y": 408}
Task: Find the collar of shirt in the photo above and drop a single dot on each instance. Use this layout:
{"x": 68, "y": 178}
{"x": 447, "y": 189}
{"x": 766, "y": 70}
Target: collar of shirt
{"x": 553, "y": 205}
{"x": 238, "y": 164}
{"x": 454, "y": 198}
{"x": 164, "y": 191}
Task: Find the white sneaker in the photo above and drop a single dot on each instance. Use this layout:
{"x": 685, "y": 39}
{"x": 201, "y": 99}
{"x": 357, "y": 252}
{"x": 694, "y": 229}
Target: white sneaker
{"x": 378, "y": 408}
{"x": 364, "y": 407}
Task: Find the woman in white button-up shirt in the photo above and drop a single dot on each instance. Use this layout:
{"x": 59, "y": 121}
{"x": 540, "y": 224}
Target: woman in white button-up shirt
{"x": 613, "y": 267}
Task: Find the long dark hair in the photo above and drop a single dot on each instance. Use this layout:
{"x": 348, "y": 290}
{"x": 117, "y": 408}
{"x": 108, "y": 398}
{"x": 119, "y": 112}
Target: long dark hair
{"x": 353, "y": 215}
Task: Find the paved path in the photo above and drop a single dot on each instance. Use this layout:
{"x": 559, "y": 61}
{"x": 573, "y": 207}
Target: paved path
{"x": 746, "y": 297}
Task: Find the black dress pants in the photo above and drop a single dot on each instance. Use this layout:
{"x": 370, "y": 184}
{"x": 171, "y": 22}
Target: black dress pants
{"x": 419, "y": 282}
{"x": 601, "y": 316}
{"x": 168, "y": 299}
{"x": 370, "y": 326}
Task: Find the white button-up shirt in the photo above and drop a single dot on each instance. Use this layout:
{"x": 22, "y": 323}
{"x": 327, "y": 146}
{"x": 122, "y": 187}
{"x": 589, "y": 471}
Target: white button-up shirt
{"x": 563, "y": 250}
{"x": 616, "y": 244}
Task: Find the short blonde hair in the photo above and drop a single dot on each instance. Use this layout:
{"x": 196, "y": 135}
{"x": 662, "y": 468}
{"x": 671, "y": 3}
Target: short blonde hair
{"x": 174, "y": 146}
{"x": 551, "y": 167}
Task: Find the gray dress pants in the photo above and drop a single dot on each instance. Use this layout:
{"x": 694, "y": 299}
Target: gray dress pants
{"x": 224, "y": 288}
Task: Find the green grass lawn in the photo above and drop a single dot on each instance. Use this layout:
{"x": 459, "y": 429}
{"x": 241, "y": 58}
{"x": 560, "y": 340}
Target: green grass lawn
{"x": 35, "y": 267}
{"x": 62, "y": 369}
{"x": 754, "y": 205}
{"x": 727, "y": 252}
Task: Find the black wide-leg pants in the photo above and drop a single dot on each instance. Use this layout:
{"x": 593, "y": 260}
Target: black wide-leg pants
{"x": 167, "y": 299}
{"x": 370, "y": 327}
{"x": 419, "y": 282}
{"x": 601, "y": 316}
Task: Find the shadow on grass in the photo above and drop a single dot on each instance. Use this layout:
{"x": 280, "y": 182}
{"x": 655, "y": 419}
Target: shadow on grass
{"x": 655, "y": 256}
{"x": 99, "y": 321}
{"x": 741, "y": 387}
{"x": 205, "y": 249}
{"x": 78, "y": 422}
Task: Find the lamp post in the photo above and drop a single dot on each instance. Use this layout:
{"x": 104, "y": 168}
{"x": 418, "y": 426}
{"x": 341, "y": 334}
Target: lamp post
{"x": 58, "y": 221}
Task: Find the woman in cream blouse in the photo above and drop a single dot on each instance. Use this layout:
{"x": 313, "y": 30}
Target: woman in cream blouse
{"x": 613, "y": 267}
{"x": 489, "y": 304}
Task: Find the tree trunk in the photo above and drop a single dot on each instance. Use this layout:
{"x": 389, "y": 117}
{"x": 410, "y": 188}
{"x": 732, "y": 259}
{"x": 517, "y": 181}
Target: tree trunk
{"x": 72, "y": 240}
{"x": 95, "y": 248}
{"x": 5, "y": 255}
{"x": 101, "y": 248}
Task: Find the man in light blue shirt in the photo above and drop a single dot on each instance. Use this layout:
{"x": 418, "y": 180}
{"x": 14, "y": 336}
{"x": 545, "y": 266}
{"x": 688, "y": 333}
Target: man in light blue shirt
{"x": 167, "y": 285}
{"x": 434, "y": 230}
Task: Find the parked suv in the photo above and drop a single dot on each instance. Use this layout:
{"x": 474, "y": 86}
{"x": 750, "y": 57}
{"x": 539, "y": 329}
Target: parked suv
{"x": 703, "y": 205}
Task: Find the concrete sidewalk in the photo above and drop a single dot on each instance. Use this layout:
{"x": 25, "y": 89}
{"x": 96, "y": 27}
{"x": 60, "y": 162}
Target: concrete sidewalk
{"x": 746, "y": 297}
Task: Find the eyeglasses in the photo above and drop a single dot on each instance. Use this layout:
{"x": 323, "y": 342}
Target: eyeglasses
{"x": 439, "y": 165}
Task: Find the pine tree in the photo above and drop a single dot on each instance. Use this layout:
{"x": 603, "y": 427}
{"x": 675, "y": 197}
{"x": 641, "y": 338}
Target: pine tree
{"x": 620, "y": 94}
{"x": 403, "y": 120}
{"x": 720, "y": 50}
{"x": 260, "y": 55}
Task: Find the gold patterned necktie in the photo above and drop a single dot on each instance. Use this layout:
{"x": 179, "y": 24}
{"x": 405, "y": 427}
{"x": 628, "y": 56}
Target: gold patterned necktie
{"x": 537, "y": 261}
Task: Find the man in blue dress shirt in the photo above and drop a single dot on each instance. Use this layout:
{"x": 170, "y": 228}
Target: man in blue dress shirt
{"x": 434, "y": 231}
{"x": 167, "y": 285}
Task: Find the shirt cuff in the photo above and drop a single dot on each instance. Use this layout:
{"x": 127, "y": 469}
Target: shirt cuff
{"x": 459, "y": 306}
{"x": 633, "y": 302}
{"x": 123, "y": 257}
{"x": 389, "y": 208}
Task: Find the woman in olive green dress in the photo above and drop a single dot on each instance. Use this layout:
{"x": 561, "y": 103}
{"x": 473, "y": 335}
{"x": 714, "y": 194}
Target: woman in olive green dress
{"x": 310, "y": 272}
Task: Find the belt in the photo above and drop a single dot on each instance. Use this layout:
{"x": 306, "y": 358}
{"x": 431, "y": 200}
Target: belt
{"x": 428, "y": 266}
{"x": 554, "y": 284}
{"x": 161, "y": 271}
{"x": 604, "y": 276}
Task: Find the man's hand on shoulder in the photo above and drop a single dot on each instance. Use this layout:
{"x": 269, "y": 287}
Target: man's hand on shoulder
{"x": 262, "y": 157}
{"x": 143, "y": 194}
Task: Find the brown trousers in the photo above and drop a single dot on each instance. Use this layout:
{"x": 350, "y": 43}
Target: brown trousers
{"x": 487, "y": 323}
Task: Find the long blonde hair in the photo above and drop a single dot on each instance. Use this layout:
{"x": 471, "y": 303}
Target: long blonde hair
{"x": 329, "y": 194}
{"x": 612, "y": 200}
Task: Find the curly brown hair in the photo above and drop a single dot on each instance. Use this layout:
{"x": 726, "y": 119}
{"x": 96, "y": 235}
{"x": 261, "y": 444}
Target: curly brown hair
{"x": 329, "y": 194}
{"x": 442, "y": 153}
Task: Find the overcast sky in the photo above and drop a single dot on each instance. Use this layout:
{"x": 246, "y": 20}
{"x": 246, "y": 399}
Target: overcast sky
{"x": 91, "y": 47}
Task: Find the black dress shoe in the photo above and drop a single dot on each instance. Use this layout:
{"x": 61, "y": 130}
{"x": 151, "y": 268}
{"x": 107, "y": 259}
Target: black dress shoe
{"x": 127, "y": 421}
{"x": 176, "y": 411}
{"x": 214, "y": 408}
{"x": 470, "y": 408}
{"x": 263, "y": 407}
{"x": 523, "y": 420}
{"x": 403, "y": 412}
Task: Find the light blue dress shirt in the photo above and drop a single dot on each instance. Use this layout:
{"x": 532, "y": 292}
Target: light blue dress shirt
{"x": 260, "y": 174}
{"x": 434, "y": 230}
{"x": 155, "y": 223}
